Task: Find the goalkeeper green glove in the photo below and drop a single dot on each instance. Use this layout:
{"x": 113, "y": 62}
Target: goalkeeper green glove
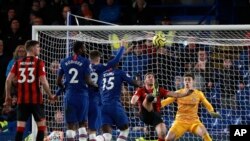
{"x": 215, "y": 115}
{"x": 156, "y": 89}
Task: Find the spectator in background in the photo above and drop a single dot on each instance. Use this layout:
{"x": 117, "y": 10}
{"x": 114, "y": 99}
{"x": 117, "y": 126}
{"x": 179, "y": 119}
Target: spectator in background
{"x": 17, "y": 54}
{"x": 85, "y": 12}
{"x": 94, "y": 6}
{"x": 166, "y": 21}
{"x": 54, "y": 66}
{"x": 110, "y": 12}
{"x": 204, "y": 73}
{"x": 35, "y": 6}
{"x": 165, "y": 63}
{"x": 62, "y": 20}
{"x": 37, "y": 21}
{"x": 188, "y": 55}
{"x": 138, "y": 14}
{"x": 46, "y": 12}
{"x": 178, "y": 82}
{"x": 34, "y": 20}
{"x": 136, "y": 62}
{"x": 230, "y": 81}
{"x": 13, "y": 37}
{"x": 6, "y": 20}
{"x": 125, "y": 99}
{"x": 4, "y": 59}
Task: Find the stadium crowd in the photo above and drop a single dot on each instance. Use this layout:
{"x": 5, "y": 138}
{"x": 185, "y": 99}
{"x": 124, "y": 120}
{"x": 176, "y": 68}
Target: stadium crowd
{"x": 211, "y": 71}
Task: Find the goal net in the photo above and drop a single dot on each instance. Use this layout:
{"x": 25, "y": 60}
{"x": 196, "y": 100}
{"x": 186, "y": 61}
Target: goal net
{"x": 218, "y": 56}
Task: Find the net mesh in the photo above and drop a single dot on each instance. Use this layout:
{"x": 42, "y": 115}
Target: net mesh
{"x": 219, "y": 60}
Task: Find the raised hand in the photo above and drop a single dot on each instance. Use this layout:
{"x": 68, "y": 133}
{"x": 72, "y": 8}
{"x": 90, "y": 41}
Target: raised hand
{"x": 156, "y": 89}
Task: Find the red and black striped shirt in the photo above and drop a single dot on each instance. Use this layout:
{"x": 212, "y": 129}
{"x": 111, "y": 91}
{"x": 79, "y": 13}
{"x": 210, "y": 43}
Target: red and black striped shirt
{"x": 27, "y": 71}
{"x": 142, "y": 93}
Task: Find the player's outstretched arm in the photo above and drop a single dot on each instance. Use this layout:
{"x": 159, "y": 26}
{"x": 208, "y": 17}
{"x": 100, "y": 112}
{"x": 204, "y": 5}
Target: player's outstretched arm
{"x": 9, "y": 79}
{"x": 117, "y": 58}
{"x": 59, "y": 81}
{"x": 209, "y": 107}
{"x": 134, "y": 99}
{"x": 167, "y": 101}
{"x": 177, "y": 94}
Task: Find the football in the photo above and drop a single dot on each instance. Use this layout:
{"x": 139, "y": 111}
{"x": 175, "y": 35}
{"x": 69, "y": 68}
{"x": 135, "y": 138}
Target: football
{"x": 159, "y": 40}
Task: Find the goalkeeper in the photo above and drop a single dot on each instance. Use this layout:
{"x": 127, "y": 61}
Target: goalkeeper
{"x": 187, "y": 114}
{"x": 149, "y": 101}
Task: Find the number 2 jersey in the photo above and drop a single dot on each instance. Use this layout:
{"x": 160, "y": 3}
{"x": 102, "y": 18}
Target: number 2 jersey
{"x": 27, "y": 71}
{"x": 74, "y": 69}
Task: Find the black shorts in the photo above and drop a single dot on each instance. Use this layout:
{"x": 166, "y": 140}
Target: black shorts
{"x": 24, "y": 111}
{"x": 150, "y": 118}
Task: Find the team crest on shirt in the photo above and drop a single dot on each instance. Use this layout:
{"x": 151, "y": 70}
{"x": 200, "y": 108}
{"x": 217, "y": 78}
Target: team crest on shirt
{"x": 193, "y": 99}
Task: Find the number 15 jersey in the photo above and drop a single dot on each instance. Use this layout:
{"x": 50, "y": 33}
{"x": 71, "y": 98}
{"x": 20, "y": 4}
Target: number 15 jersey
{"x": 111, "y": 85}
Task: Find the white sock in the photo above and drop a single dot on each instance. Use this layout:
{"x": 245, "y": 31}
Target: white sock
{"x": 70, "y": 134}
{"x": 82, "y": 134}
{"x": 100, "y": 138}
{"x": 107, "y": 136}
{"x": 92, "y": 137}
{"x": 123, "y": 135}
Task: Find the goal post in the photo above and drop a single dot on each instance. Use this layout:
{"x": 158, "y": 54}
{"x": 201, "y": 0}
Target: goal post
{"x": 218, "y": 56}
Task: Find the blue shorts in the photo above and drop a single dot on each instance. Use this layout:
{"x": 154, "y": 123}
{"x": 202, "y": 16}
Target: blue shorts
{"x": 94, "y": 116}
{"x": 76, "y": 107}
{"x": 114, "y": 114}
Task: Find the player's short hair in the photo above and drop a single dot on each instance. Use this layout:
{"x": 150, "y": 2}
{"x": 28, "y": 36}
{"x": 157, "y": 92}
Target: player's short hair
{"x": 188, "y": 74}
{"x": 149, "y": 73}
{"x": 94, "y": 54}
{"x": 30, "y": 44}
{"x": 77, "y": 46}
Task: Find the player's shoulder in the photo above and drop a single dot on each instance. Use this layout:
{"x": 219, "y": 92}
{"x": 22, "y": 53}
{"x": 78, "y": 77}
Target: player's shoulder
{"x": 140, "y": 89}
{"x": 162, "y": 88}
{"x": 199, "y": 92}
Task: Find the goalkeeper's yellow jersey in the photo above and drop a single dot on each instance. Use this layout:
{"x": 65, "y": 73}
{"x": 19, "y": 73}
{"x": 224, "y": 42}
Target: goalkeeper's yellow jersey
{"x": 188, "y": 106}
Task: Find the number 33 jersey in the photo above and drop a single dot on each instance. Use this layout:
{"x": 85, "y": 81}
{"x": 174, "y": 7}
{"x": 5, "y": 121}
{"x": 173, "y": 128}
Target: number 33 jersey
{"x": 27, "y": 71}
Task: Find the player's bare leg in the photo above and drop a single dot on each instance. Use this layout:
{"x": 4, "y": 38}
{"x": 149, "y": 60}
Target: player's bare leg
{"x": 124, "y": 131}
{"x": 83, "y": 135}
{"x": 20, "y": 129}
{"x": 70, "y": 132}
{"x": 106, "y": 136}
{"x": 201, "y": 131}
{"x": 41, "y": 130}
{"x": 161, "y": 131}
